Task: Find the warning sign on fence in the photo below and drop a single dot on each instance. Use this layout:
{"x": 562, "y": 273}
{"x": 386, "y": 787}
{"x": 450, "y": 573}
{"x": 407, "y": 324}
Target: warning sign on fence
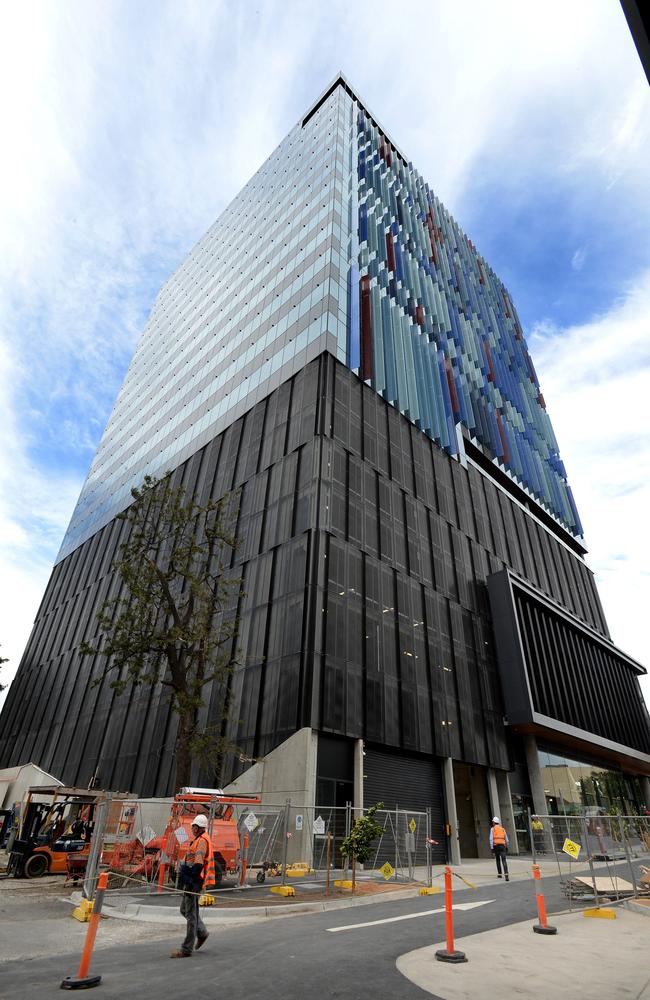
{"x": 251, "y": 822}
{"x": 387, "y": 870}
{"x": 570, "y": 847}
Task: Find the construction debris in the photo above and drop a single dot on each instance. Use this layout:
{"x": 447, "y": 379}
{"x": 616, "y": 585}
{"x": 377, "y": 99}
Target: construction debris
{"x": 609, "y": 886}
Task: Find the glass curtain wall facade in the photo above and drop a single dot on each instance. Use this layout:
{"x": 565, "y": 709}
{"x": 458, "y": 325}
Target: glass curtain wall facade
{"x": 260, "y": 294}
{"x": 440, "y": 337}
{"x": 335, "y": 244}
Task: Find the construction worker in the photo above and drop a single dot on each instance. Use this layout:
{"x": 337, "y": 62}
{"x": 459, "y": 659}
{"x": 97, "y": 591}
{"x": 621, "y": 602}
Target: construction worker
{"x": 538, "y": 834}
{"x": 499, "y": 846}
{"x": 191, "y": 878}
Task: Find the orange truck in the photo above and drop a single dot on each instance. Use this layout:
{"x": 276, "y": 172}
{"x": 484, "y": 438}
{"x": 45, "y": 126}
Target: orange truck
{"x": 222, "y": 830}
{"x": 161, "y": 857}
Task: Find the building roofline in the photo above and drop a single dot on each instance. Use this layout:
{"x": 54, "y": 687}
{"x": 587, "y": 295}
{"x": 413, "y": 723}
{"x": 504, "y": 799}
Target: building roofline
{"x": 340, "y": 80}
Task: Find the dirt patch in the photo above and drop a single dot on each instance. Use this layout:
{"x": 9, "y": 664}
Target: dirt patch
{"x": 312, "y": 895}
{"x": 25, "y": 888}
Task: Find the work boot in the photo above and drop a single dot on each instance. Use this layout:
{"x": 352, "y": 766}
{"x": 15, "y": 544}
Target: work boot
{"x": 201, "y": 941}
{"x": 179, "y": 953}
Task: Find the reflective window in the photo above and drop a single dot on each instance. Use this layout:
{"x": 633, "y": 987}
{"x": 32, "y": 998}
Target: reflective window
{"x": 573, "y": 787}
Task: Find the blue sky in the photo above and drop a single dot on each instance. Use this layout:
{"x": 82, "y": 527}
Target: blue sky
{"x": 129, "y": 127}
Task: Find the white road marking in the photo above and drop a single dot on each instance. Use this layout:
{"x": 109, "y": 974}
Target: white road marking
{"x": 408, "y": 916}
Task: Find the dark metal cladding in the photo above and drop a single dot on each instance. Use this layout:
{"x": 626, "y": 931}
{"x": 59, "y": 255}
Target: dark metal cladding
{"x": 365, "y": 551}
{"x": 563, "y": 679}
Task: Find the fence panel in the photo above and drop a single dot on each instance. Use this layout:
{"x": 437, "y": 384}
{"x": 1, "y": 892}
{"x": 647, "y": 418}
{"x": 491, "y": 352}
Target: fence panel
{"x": 141, "y": 843}
{"x": 602, "y": 852}
{"x": 264, "y": 828}
{"x": 404, "y": 844}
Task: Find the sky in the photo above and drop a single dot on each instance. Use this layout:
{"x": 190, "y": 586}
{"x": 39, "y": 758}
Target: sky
{"x": 128, "y": 128}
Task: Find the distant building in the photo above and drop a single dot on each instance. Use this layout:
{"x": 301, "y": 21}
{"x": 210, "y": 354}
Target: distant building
{"x": 420, "y": 625}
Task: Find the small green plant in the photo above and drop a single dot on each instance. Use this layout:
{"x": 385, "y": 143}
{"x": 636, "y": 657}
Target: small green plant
{"x": 358, "y": 845}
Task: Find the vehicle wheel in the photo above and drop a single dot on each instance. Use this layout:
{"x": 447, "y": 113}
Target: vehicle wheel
{"x": 36, "y": 866}
{"x": 261, "y": 876}
{"x": 218, "y": 873}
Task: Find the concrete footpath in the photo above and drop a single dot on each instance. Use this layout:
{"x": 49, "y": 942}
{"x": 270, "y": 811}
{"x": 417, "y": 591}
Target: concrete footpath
{"x": 588, "y": 957}
{"x": 475, "y": 873}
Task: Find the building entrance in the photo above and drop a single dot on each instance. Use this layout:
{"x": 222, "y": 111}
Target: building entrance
{"x": 472, "y": 810}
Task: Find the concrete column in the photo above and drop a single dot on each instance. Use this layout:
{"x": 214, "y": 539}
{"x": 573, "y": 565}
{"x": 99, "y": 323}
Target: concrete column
{"x": 493, "y": 793}
{"x": 358, "y": 778}
{"x": 535, "y": 776}
{"x": 482, "y": 809}
{"x": 506, "y": 812}
{"x": 288, "y": 772}
{"x": 645, "y": 788}
{"x": 450, "y": 808}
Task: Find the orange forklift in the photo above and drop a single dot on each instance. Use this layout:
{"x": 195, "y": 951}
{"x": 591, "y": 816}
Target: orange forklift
{"x": 56, "y": 828}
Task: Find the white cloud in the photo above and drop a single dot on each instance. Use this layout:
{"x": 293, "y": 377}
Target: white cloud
{"x": 578, "y": 259}
{"x": 35, "y": 507}
{"x": 596, "y": 381}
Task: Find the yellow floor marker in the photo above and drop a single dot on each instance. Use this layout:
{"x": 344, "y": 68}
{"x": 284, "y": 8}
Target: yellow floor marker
{"x": 603, "y": 912}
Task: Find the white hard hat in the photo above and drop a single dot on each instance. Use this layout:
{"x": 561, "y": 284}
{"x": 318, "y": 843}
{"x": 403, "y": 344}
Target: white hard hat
{"x": 201, "y": 820}
{"x": 495, "y": 819}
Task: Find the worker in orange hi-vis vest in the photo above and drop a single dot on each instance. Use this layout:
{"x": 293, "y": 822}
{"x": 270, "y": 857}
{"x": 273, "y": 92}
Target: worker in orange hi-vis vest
{"x": 193, "y": 873}
{"x": 499, "y": 846}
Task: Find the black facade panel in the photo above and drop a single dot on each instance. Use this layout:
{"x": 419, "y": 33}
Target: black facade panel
{"x": 560, "y": 675}
{"x": 365, "y": 552}
{"x": 579, "y": 681}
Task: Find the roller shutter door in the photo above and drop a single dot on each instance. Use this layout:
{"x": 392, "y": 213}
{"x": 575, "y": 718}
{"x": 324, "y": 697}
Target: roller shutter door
{"x": 409, "y": 783}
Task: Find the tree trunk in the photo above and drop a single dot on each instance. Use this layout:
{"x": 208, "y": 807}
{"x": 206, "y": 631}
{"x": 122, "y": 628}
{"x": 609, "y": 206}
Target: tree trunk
{"x": 183, "y": 776}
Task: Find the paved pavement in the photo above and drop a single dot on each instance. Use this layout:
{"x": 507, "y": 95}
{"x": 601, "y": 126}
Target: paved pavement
{"x": 348, "y": 952}
{"x": 586, "y": 958}
{"x": 257, "y": 902}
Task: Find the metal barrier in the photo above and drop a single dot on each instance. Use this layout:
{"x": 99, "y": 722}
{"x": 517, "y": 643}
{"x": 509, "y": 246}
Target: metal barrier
{"x": 134, "y": 842}
{"x": 265, "y": 828}
{"x": 128, "y": 841}
{"x": 405, "y": 844}
{"x": 612, "y": 847}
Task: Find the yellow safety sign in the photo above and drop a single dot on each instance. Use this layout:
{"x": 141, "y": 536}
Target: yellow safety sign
{"x": 387, "y": 870}
{"x": 413, "y": 825}
{"x": 571, "y": 848}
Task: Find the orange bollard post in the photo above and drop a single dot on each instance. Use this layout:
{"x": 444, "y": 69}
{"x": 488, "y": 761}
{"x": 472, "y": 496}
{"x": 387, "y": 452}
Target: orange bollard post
{"x": 244, "y": 861}
{"x": 82, "y": 981}
{"x": 162, "y": 872}
{"x": 542, "y": 927}
{"x": 449, "y": 954}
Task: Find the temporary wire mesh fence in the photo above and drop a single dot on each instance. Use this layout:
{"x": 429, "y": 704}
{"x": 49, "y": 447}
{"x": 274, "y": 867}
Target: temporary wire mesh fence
{"x": 596, "y": 855}
{"x": 142, "y": 842}
{"x": 405, "y": 845}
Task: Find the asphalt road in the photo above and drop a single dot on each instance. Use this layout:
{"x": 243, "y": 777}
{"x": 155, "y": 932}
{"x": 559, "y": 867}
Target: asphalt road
{"x": 288, "y": 957}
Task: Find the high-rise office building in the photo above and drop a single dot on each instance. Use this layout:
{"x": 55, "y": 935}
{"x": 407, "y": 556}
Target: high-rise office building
{"x": 420, "y": 624}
